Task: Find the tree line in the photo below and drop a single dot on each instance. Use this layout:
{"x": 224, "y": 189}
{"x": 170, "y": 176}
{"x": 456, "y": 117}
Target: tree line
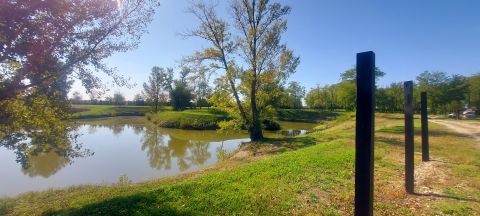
{"x": 446, "y": 93}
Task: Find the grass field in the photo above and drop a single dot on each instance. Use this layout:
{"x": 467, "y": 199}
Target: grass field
{"x": 199, "y": 119}
{"x": 101, "y": 111}
{"x": 310, "y": 174}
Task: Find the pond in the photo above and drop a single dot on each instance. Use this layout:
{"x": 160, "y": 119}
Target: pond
{"x": 125, "y": 146}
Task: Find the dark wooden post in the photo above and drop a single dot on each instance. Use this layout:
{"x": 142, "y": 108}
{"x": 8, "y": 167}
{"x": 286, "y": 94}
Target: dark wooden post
{"x": 364, "y": 133}
{"x": 425, "y": 150}
{"x": 409, "y": 163}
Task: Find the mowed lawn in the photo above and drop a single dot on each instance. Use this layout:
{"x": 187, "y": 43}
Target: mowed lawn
{"x": 101, "y": 111}
{"x": 311, "y": 174}
{"x": 200, "y": 119}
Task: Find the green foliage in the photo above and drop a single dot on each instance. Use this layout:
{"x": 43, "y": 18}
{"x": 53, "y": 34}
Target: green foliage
{"x": 474, "y": 91}
{"x": 35, "y": 125}
{"x": 445, "y": 93}
{"x": 390, "y": 99}
{"x": 124, "y": 180}
{"x": 291, "y": 97}
{"x": 351, "y": 74}
{"x": 270, "y": 125}
{"x": 159, "y": 81}
{"x": 251, "y": 83}
{"x": 180, "y": 96}
{"x": 44, "y": 45}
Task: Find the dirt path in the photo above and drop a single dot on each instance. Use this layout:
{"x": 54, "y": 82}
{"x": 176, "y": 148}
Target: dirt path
{"x": 469, "y": 128}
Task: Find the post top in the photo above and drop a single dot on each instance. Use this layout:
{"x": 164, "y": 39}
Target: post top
{"x": 366, "y": 53}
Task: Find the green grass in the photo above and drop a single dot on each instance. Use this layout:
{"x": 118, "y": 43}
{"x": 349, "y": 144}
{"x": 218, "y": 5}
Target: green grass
{"x": 101, "y": 111}
{"x": 199, "y": 119}
{"x": 313, "y": 174}
{"x": 306, "y": 115}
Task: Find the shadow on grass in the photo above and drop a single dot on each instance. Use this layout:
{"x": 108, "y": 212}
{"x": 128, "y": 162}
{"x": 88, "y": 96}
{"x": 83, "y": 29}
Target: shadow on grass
{"x": 390, "y": 141}
{"x": 447, "y": 197}
{"x": 150, "y": 203}
{"x": 418, "y": 132}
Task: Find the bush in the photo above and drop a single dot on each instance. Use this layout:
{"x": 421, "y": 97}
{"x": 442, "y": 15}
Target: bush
{"x": 270, "y": 125}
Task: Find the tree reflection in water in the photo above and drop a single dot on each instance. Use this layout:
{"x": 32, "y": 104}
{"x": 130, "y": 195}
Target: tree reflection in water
{"x": 43, "y": 153}
{"x": 45, "y": 164}
{"x": 162, "y": 147}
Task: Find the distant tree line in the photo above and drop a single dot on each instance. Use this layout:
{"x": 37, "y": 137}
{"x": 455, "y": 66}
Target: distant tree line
{"x": 446, "y": 93}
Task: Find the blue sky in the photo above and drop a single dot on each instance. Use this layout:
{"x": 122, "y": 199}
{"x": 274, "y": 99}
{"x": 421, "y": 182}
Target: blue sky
{"x": 408, "y": 38}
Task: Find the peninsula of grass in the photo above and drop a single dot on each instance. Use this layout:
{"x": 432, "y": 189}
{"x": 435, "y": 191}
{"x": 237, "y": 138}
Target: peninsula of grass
{"x": 306, "y": 115}
{"x": 102, "y": 111}
{"x": 196, "y": 119}
{"x": 308, "y": 175}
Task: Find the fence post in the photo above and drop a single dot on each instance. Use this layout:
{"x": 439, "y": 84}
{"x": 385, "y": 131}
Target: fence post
{"x": 364, "y": 133}
{"x": 409, "y": 163}
{"x": 425, "y": 147}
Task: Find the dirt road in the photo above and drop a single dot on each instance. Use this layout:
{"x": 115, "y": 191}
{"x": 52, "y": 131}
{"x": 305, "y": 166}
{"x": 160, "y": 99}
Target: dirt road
{"x": 469, "y": 128}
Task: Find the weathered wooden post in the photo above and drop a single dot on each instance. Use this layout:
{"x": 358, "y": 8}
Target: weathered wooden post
{"x": 409, "y": 163}
{"x": 364, "y": 133}
{"x": 425, "y": 148}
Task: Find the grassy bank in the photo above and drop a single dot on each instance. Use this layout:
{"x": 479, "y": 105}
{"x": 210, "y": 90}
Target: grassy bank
{"x": 310, "y": 174}
{"x": 101, "y": 111}
{"x": 307, "y": 115}
{"x": 199, "y": 119}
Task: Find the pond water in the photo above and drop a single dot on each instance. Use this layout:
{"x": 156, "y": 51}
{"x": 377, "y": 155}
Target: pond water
{"x": 128, "y": 146}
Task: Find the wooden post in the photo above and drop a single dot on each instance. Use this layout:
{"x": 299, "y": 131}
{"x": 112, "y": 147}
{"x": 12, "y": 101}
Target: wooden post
{"x": 364, "y": 133}
{"x": 425, "y": 148}
{"x": 409, "y": 163}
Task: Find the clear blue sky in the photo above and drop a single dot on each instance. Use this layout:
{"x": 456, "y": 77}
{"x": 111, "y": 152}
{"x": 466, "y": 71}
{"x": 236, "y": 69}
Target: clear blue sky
{"x": 408, "y": 38}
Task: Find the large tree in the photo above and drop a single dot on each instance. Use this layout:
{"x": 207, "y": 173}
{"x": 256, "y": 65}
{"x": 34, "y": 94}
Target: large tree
{"x": 46, "y": 44}
{"x": 253, "y": 80}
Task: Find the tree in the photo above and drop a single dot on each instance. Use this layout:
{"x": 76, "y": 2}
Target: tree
{"x": 351, "y": 74}
{"x": 139, "y": 100}
{"x": 118, "y": 98}
{"x": 322, "y": 97}
{"x": 445, "y": 93}
{"x": 180, "y": 95}
{"x": 474, "y": 91}
{"x": 76, "y": 97}
{"x": 390, "y": 98}
{"x": 292, "y": 96}
{"x": 202, "y": 89}
{"x": 44, "y": 44}
{"x": 267, "y": 61}
{"x": 158, "y": 83}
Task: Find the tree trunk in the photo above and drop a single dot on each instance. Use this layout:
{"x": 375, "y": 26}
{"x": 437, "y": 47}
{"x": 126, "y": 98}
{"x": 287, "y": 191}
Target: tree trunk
{"x": 255, "y": 127}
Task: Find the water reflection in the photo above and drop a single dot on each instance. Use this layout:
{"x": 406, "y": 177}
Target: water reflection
{"x": 122, "y": 146}
{"x": 45, "y": 164}
{"x": 292, "y": 133}
{"x": 47, "y": 151}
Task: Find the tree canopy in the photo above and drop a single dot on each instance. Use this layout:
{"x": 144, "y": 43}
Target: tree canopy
{"x": 44, "y": 45}
{"x": 250, "y": 83}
